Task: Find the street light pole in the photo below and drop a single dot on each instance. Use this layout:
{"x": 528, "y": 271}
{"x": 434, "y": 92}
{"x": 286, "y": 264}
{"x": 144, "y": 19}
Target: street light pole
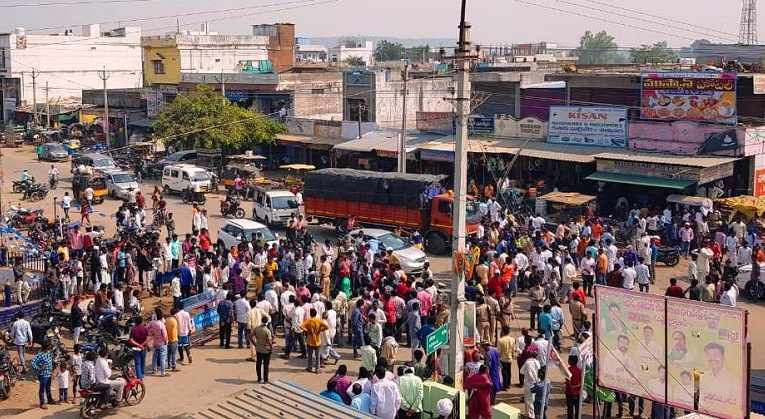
{"x": 402, "y": 140}
{"x": 456, "y": 305}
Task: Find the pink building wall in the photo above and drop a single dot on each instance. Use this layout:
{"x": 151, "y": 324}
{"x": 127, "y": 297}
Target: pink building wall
{"x": 680, "y": 137}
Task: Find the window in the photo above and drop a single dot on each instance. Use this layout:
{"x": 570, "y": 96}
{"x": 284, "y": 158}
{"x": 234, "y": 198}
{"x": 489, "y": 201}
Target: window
{"x": 159, "y": 66}
{"x": 317, "y": 91}
{"x": 2, "y": 57}
{"x": 185, "y": 176}
{"x": 174, "y": 173}
{"x": 444, "y": 207}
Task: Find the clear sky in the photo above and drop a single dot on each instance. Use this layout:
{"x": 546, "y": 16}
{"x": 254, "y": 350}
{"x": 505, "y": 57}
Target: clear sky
{"x": 493, "y": 20}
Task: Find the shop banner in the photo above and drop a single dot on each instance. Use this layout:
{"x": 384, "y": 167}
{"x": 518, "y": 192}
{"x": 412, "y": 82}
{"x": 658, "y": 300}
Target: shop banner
{"x": 758, "y": 82}
{"x": 703, "y": 97}
{"x": 630, "y": 339}
{"x": 588, "y": 125}
{"x": 759, "y": 182}
{"x": 707, "y": 358}
{"x": 529, "y": 127}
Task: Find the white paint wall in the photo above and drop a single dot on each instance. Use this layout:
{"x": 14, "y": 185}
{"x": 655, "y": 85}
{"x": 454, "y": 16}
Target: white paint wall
{"x": 200, "y": 52}
{"x": 423, "y": 95}
{"x": 341, "y": 53}
{"x": 72, "y": 63}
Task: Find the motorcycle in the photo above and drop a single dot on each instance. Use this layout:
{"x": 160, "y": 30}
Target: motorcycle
{"x": 92, "y": 400}
{"x": 668, "y": 255}
{"x": 56, "y": 316}
{"x": 35, "y": 192}
{"x": 9, "y": 373}
{"x": 22, "y": 217}
{"x": 20, "y": 185}
{"x": 231, "y": 208}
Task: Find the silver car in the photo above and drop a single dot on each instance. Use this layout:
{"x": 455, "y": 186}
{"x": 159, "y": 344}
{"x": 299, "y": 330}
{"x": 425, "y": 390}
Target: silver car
{"x": 411, "y": 258}
{"x": 121, "y": 184}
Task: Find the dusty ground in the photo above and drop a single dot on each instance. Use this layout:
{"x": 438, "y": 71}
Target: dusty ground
{"x": 217, "y": 373}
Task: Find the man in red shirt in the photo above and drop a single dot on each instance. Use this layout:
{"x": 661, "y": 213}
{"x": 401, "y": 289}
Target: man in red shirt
{"x": 580, "y": 292}
{"x": 573, "y": 388}
{"x": 674, "y": 290}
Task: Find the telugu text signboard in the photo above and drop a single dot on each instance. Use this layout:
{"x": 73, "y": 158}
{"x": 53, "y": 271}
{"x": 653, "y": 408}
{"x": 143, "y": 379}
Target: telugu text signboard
{"x": 703, "y": 97}
{"x": 630, "y": 342}
{"x": 707, "y": 358}
{"x": 588, "y": 125}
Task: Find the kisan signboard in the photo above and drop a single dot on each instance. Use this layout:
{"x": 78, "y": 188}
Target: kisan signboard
{"x": 702, "y": 97}
{"x": 588, "y": 125}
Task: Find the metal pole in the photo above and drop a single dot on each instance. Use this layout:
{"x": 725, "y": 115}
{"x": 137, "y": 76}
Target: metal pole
{"x": 456, "y": 307}
{"x": 103, "y": 76}
{"x": 34, "y": 98}
{"x": 402, "y": 140}
{"x": 222, "y": 85}
{"x": 47, "y": 106}
{"x": 124, "y": 126}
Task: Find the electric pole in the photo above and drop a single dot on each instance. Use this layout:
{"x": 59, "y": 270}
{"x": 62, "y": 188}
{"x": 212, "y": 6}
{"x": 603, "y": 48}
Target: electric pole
{"x": 104, "y": 76}
{"x": 34, "y": 97}
{"x": 402, "y": 140}
{"x": 222, "y": 84}
{"x": 47, "y": 107}
{"x": 456, "y": 304}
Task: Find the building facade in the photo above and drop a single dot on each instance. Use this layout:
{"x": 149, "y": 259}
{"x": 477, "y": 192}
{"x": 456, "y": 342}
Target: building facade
{"x": 166, "y": 58}
{"x": 69, "y": 63}
{"x": 281, "y": 44}
{"x": 365, "y": 50}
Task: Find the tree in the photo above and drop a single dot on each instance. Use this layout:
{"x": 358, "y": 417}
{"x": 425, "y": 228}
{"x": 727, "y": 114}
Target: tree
{"x": 205, "y": 119}
{"x": 598, "y": 48}
{"x": 355, "y": 61}
{"x": 653, "y": 54}
{"x": 389, "y": 51}
{"x": 418, "y": 54}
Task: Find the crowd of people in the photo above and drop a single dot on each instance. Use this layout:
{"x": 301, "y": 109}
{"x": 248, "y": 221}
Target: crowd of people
{"x": 353, "y": 292}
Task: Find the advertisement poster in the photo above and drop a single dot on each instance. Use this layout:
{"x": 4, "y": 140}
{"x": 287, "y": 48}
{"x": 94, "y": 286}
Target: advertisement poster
{"x": 529, "y": 127}
{"x": 588, "y": 125}
{"x": 707, "y": 358}
{"x": 630, "y": 342}
{"x": 759, "y": 182}
{"x": 703, "y": 97}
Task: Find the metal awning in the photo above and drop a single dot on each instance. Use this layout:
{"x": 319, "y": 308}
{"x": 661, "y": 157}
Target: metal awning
{"x": 309, "y": 141}
{"x": 568, "y": 198}
{"x": 651, "y": 181}
{"x": 692, "y": 201}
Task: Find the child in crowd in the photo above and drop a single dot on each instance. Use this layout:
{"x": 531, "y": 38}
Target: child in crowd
{"x": 76, "y": 367}
{"x": 63, "y": 382}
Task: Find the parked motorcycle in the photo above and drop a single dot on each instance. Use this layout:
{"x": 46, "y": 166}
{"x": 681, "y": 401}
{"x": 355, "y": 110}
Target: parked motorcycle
{"x": 20, "y": 185}
{"x": 93, "y": 400}
{"x": 668, "y": 255}
{"x": 233, "y": 208}
{"x": 58, "y": 317}
{"x": 22, "y": 217}
{"x": 35, "y": 192}
{"x": 8, "y": 374}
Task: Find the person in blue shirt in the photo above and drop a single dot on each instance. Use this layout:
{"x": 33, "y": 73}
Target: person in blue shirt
{"x": 545, "y": 322}
{"x": 186, "y": 279}
{"x": 330, "y": 392}
{"x": 226, "y": 317}
{"x": 360, "y": 400}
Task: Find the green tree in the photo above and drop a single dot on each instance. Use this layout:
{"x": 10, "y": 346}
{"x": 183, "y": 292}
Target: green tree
{"x": 653, "y": 54}
{"x": 355, "y": 61}
{"x": 204, "y": 119}
{"x": 598, "y": 48}
{"x": 389, "y": 51}
{"x": 418, "y": 54}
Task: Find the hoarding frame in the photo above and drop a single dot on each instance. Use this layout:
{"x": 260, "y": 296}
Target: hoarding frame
{"x": 746, "y": 362}
{"x": 733, "y": 119}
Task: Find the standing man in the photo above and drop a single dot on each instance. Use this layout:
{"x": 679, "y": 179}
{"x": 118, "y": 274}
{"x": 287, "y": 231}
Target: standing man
{"x": 642, "y": 275}
{"x": 139, "y": 335}
{"x": 261, "y": 338}
{"x": 312, "y": 328}
{"x": 226, "y": 317}
{"x": 66, "y": 204}
{"x": 185, "y": 329}
{"x": 241, "y": 310}
{"x": 325, "y": 272}
{"x": 21, "y": 332}
{"x": 506, "y": 346}
{"x": 411, "y": 390}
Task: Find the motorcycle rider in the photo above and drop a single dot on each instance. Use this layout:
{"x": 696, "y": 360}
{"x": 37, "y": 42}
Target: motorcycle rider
{"x": 103, "y": 373}
{"x": 53, "y": 176}
{"x": 26, "y": 181}
{"x": 231, "y": 202}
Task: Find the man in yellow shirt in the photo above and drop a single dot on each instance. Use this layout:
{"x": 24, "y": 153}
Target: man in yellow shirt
{"x": 312, "y": 329}
{"x": 506, "y": 346}
{"x": 325, "y": 272}
{"x": 171, "y": 325}
{"x": 269, "y": 270}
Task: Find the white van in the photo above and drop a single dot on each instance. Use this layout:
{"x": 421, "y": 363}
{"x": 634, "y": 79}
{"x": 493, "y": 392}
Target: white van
{"x": 274, "y": 207}
{"x": 181, "y": 177}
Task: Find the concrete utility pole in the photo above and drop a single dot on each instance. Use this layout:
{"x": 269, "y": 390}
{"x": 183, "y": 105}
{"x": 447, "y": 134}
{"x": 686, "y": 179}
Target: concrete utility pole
{"x": 47, "y": 106}
{"x": 456, "y": 305}
{"x": 222, "y": 84}
{"x": 104, "y": 76}
{"x": 34, "y": 97}
{"x": 402, "y": 140}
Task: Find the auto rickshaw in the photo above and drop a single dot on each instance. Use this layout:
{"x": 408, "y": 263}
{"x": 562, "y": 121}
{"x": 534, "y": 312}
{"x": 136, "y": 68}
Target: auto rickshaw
{"x": 81, "y": 181}
{"x": 294, "y": 179}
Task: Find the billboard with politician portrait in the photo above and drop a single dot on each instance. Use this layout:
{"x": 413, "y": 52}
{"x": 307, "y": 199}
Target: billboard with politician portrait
{"x": 707, "y": 358}
{"x": 705, "y": 351}
{"x": 630, "y": 336}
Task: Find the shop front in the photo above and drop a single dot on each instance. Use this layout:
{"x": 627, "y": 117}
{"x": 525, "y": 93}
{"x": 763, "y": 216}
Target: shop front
{"x": 646, "y": 181}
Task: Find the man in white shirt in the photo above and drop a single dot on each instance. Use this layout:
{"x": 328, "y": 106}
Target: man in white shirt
{"x": 118, "y": 298}
{"x": 744, "y": 256}
{"x": 21, "y": 332}
{"x": 642, "y": 275}
{"x": 628, "y": 278}
{"x": 89, "y": 195}
{"x": 103, "y": 373}
{"x": 537, "y": 222}
{"x": 66, "y": 203}
{"x": 385, "y": 399}
{"x": 241, "y": 308}
{"x": 729, "y": 296}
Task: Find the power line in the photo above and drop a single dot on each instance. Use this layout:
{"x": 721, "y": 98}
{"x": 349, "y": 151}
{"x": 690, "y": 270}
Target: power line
{"x": 74, "y": 3}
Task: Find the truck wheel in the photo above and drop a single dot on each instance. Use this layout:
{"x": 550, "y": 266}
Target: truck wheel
{"x": 435, "y": 243}
{"x": 341, "y": 226}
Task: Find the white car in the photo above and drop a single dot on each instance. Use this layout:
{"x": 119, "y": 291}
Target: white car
{"x": 234, "y": 231}
{"x": 180, "y": 177}
{"x": 121, "y": 184}
{"x": 411, "y": 258}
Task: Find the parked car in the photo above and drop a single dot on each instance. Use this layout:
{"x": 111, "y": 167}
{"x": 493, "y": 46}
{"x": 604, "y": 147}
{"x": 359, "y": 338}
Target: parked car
{"x": 182, "y": 177}
{"x": 121, "y": 184}
{"x": 409, "y": 257}
{"x": 234, "y": 231}
{"x": 52, "y": 152}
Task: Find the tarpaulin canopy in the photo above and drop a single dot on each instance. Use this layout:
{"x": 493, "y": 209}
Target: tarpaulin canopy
{"x": 568, "y": 198}
{"x": 748, "y": 205}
